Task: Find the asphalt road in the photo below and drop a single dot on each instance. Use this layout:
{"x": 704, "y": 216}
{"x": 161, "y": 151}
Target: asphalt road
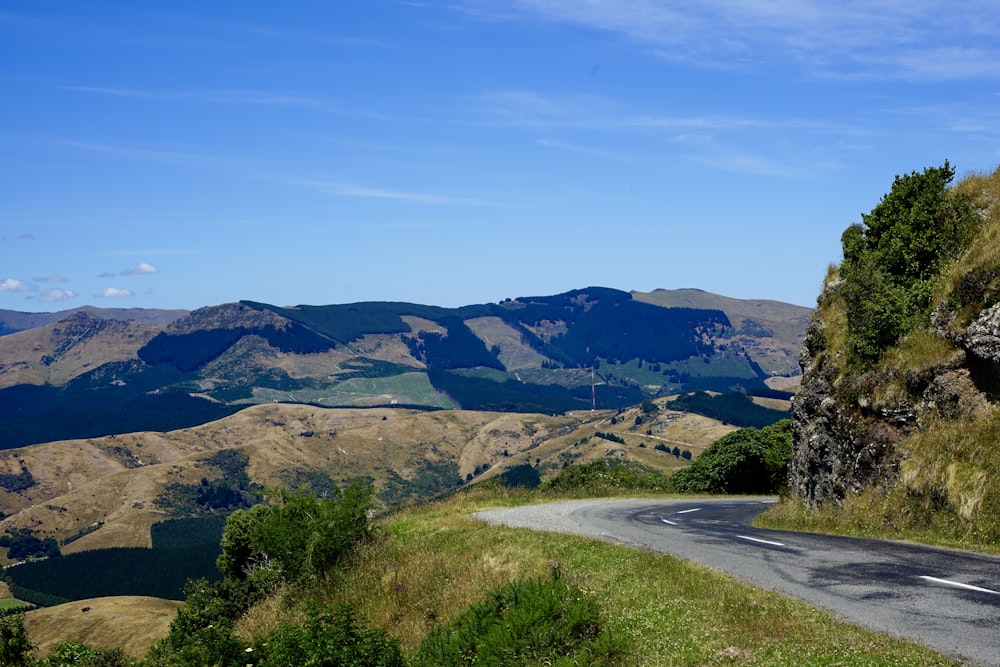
{"x": 946, "y": 599}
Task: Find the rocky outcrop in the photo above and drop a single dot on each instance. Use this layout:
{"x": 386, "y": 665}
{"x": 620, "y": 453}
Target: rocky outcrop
{"x": 841, "y": 446}
{"x": 847, "y": 439}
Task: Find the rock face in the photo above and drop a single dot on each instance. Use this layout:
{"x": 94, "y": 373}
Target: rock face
{"x": 846, "y": 434}
{"x": 840, "y": 447}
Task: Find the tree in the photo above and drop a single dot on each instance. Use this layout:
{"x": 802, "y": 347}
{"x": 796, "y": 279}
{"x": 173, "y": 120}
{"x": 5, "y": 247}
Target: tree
{"x": 16, "y": 649}
{"x": 295, "y": 536}
{"x": 893, "y": 257}
{"x": 744, "y": 461}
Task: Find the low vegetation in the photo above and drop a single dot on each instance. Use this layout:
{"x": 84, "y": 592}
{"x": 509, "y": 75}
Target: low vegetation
{"x": 314, "y": 581}
{"x": 745, "y": 461}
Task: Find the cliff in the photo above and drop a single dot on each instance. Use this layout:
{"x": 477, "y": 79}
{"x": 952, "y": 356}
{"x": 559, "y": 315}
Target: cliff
{"x": 898, "y": 414}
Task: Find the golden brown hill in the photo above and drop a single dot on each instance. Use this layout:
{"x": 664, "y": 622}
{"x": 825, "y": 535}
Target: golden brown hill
{"x": 131, "y": 623}
{"x": 58, "y": 352}
{"x": 104, "y": 492}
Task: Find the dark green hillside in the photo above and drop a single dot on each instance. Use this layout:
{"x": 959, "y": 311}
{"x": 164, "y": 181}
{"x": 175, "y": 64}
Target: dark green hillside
{"x": 160, "y": 573}
{"x": 190, "y": 351}
{"x": 116, "y": 398}
{"x": 512, "y": 396}
{"x": 459, "y": 349}
{"x": 349, "y": 322}
{"x": 609, "y": 324}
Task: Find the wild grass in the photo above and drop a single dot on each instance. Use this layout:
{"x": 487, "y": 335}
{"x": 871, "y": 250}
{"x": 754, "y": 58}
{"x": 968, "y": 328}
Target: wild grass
{"x": 948, "y": 493}
{"x": 919, "y": 351}
{"x": 984, "y": 252}
{"x": 432, "y": 562}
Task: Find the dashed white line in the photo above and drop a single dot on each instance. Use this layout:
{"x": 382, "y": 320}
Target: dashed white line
{"x": 668, "y": 521}
{"x": 757, "y": 539}
{"x": 696, "y": 509}
{"x": 959, "y": 584}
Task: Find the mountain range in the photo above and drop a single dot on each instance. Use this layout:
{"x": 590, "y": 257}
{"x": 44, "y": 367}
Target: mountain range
{"x": 95, "y": 372}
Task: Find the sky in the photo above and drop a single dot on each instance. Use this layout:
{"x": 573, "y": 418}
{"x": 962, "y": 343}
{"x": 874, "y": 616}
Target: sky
{"x": 455, "y": 152}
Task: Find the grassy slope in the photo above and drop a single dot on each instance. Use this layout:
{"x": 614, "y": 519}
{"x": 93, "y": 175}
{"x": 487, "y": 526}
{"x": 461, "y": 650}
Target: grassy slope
{"x": 82, "y": 482}
{"x": 23, "y": 352}
{"x": 133, "y": 624}
{"x": 434, "y": 561}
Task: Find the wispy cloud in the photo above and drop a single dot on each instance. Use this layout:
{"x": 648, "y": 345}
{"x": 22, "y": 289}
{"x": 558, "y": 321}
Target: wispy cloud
{"x": 55, "y": 294}
{"x": 741, "y": 163}
{"x": 240, "y": 97}
{"x": 532, "y": 109}
{"x": 14, "y": 285}
{"x": 114, "y": 293}
{"x": 576, "y": 148}
{"x": 142, "y": 269}
{"x": 352, "y": 190}
{"x": 856, "y": 38}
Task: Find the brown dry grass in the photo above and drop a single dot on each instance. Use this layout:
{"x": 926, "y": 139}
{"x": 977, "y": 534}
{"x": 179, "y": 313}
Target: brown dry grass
{"x": 97, "y": 484}
{"x": 22, "y": 352}
{"x": 133, "y": 624}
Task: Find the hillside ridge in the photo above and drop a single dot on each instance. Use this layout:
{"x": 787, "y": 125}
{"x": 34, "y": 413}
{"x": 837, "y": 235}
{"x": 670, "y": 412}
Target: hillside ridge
{"x": 593, "y": 347}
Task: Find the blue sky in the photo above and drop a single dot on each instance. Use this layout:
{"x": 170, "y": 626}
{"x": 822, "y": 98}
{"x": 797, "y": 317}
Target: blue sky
{"x": 182, "y": 154}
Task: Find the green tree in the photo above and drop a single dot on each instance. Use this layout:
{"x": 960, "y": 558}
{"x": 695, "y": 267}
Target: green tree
{"x": 16, "y": 649}
{"x": 745, "y": 461}
{"x": 893, "y": 257}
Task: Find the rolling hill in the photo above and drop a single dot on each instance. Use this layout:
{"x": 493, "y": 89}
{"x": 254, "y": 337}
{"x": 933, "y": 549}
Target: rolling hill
{"x": 89, "y": 374}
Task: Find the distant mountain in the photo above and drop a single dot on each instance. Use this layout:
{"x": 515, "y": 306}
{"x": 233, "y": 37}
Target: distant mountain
{"x": 770, "y": 332}
{"x": 12, "y": 321}
{"x": 83, "y": 374}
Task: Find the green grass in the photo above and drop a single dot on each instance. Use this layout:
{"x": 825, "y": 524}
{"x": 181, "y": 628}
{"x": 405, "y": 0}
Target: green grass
{"x": 11, "y": 603}
{"x": 432, "y": 562}
{"x": 405, "y": 389}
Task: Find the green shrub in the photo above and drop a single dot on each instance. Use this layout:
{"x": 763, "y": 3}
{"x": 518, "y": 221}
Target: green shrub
{"x": 212, "y": 644}
{"x": 744, "y": 461}
{"x": 75, "y": 654}
{"x": 526, "y": 622}
{"x": 327, "y": 639}
{"x": 892, "y": 260}
{"x": 521, "y": 475}
{"x": 605, "y": 476}
{"x": 295, "y": 537}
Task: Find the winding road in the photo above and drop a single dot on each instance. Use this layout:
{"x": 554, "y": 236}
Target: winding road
{"x": 946, "y": 599}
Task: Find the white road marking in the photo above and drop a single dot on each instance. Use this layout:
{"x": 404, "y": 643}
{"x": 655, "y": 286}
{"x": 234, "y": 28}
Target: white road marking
{"x": 958, "y": 584}
{"x": 696, "y": 509}
{"x": 756, "y": 539}
{"x": 667, "y": 521}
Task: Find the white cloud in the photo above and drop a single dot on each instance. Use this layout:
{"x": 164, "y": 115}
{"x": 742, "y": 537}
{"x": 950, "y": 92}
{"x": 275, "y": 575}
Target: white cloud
{"x": 12, "y": 285}
{"x": 143, "y": 269}
{"x": 51, "y": 279}
{"x": 55, "y": 294}
{"x": 854, "y": 38}
{"x": 107, "y": 274}
{"x": 114, "y": 292}
{"x": 350, "y": 190}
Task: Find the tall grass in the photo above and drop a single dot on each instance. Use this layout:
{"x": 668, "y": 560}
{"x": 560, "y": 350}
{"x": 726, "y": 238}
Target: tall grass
{"x": 431, "y": 563}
